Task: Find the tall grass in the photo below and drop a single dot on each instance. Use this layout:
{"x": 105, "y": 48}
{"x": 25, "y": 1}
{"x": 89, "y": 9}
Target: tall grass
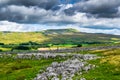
{"x": 107, "y": 67}
{"x": 20, "y": 69}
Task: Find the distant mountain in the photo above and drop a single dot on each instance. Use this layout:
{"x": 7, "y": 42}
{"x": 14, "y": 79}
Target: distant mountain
{"x": 57, "y": 36}
{"x": 60, "y": 31}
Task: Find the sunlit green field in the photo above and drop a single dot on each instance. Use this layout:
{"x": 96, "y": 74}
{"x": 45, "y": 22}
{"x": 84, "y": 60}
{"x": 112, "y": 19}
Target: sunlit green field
{"x": 65, "y": 36}
{"x": 16, "y": 37}
{"x": 20, "y": 69}
{"x": 107, "y": 67}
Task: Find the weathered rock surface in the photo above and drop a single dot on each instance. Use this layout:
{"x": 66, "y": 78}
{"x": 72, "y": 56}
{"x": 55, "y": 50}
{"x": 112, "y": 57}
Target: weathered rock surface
{"x": 66, "y": 70}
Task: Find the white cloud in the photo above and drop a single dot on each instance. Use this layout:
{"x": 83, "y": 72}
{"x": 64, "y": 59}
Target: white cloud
{"x": 39, "y": 15}
{"x": 111, "y": 31}
{"x": 12, "y": 26}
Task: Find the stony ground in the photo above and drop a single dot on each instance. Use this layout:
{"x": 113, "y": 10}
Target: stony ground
{"x": 66, "y": 70}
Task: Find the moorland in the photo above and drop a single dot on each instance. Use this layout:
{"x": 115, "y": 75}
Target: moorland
{"x": 21, "y": 59}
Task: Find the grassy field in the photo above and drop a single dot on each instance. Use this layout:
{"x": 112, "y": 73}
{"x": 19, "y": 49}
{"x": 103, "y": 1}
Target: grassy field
{"x": 107, "y": 67}
{"x": 64, "y": 36}
{"x": 16, "y": 37}
{"x": 21, "y": 69}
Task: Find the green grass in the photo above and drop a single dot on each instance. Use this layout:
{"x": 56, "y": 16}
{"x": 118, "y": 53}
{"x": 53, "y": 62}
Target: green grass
{"x": 107, "y": 68}
{"x": 21, "y": 69}
{"x": 103, "y": 71}
{"x": 17, "y": 37}
{"x": 5, "y": 49}
{"x": 65, "y": 38}
{"x": 72, "y": 37}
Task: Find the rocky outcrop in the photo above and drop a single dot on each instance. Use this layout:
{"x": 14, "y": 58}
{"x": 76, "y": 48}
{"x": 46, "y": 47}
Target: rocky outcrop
{"x": 68, "y": 69}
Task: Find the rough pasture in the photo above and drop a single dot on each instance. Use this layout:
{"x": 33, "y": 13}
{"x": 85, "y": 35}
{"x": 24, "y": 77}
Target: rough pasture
{"x": 63, "y": 66}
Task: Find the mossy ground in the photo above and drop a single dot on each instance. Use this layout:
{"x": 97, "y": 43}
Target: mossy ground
{"x": 21, "y": 69}
{"x": 107, "y": 67}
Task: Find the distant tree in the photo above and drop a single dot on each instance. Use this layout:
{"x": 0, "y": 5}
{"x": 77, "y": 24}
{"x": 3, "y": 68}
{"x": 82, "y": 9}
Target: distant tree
{"x": 29, "y": 43}
{"x": 21, "y": 48}
{"x": 1, "y": 50}
{"x": 79, "y": 45}
{"x": 1, "y": 43}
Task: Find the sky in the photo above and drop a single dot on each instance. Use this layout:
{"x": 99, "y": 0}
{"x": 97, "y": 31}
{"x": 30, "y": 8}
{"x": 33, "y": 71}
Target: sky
{"x": 92, "y": 16}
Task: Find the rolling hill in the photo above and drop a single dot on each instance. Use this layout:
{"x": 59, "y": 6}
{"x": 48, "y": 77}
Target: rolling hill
{"x": 56, "y": 36}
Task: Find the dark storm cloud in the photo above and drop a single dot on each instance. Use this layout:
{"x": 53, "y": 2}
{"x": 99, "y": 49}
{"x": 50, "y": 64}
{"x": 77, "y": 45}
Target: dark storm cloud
{"x": 98, "y": 8}
{"x": 94, "y": 16}
{"x": 39, "y": 11}
{"x": 27, "y": 11}
{"x": 23, "y": 14}
{"x": 47, "y": 4}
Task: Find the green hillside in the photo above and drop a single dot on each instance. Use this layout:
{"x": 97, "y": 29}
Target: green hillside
{"x": 59, "y": 31}
{"x": 82, "y": 38}
{"x": 53, "y": 38}
{"x": 106, "y": 66}
{"x": 20, "y": 37}
{"x": 56, "y": 36}
{"x": 72, "y": 36}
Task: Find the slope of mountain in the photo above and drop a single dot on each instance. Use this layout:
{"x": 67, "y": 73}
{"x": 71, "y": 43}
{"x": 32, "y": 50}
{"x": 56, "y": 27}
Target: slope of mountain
{"x": 56, "y": 36}
{"x": 59, "y": 31}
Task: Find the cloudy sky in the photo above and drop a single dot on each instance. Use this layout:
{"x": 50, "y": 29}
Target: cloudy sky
{"x": 93, "y": 16}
